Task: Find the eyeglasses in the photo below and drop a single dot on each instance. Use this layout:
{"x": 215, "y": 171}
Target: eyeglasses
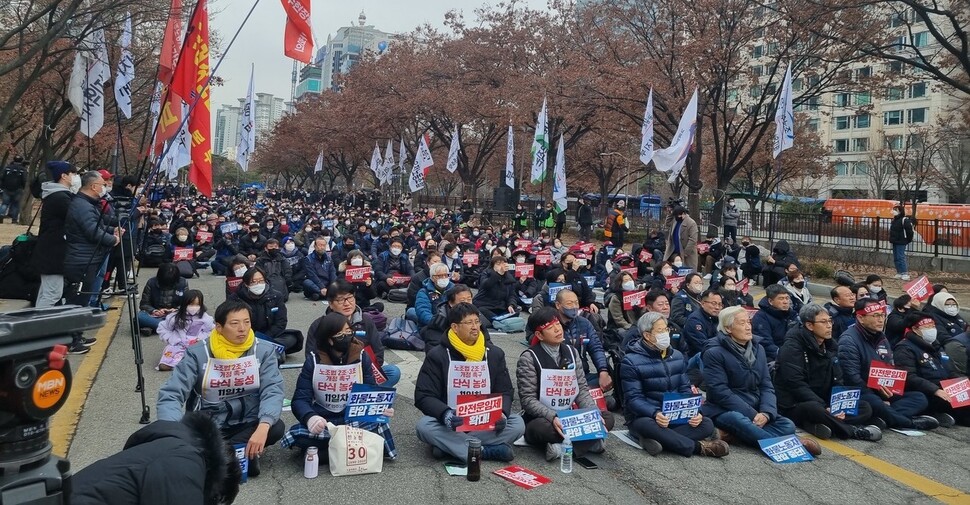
{"x": 474, "y": 322}
{"x": 821, "y": 321}
{"x": 343, "y": 299}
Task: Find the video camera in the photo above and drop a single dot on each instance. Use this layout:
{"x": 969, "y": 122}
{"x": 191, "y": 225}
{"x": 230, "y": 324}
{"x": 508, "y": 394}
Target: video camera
{"x": 676, "y": 202}
{"x": 35, "y": 381}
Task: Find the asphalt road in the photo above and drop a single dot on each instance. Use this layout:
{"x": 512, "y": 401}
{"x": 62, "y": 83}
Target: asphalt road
{"x": 937, "y": 464}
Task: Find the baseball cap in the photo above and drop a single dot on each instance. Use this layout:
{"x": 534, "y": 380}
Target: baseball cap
{"x": 59, "y": 168}
{"x": 105, "y": 174}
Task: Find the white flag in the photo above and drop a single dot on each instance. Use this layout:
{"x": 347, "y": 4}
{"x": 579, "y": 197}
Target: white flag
{"x": 247, "y": 126}
{"x": 509, "y": 164}
{"x": 388, "y": 166}
{"x": 673, "y": 158}
{"x": 402, "y": 157}
{"x": 156, "y": 109}
{"x": 376, "y": 162}
{"x": 559, "y": 178}
{"x": 646, "y": 144}
{"x": 86, "y": 89}
{"x": 540, "y": 146}
{"x": 453, "y": 152}
{"x": 126, "y": 71}
{"x": 180, "y": 151}
{"x": 422, "y": 162}
{"x": 784, "y": 118}
{"x": 319, "y": 166}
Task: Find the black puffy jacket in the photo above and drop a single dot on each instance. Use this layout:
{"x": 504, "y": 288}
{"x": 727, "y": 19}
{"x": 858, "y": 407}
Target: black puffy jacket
{"x": 267, "y": 312}
{"x": 805, "y": 371}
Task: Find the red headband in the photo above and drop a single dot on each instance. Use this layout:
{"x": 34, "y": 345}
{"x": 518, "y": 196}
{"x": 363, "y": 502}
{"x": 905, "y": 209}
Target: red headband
{"x": 535, "y": 335}
{"x": 925, "y": 321}
{"x": 871, "y": 308}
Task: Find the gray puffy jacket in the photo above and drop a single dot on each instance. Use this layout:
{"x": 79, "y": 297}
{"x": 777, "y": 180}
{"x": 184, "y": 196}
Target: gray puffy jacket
{"x": 731, "y": 216}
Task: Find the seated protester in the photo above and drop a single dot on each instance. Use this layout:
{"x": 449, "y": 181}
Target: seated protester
{"x": 618, "y": 317}
{"x": 182, "y": 239}
{"x": 923, "y": 358}
{"x": 319, "y": 269}
{"x": 581, "y": 335}
{"x": 701, "y": 326}
{"x": 797, "y": 290}
{"x": 572, "y": 267}
{"x": 896, "y": 321}
{"x": 435, "y": 394}
{"x": 162, "y": 296}
{"x": 237, "y": 269}
{"x": 431, "y": 295}
{"x": 157, "y": 246}
{"x": 806, "y": 371}
{"x": 752, "y": 265}
{"x": 276, "y": 269}
{"x": 678, "y": 262}
{"x": 451, "y": 256}
{"x": 773, "y": 320}
{"x": 874, "y": 284}
{"x": 198, "y": 467}
{"x": 731, "y": 295}
{"x": 550, "y": 358}
{"x": 183, "y": 328}
{"x": 705, "y": 261}
{"x": 268, "y": 311}
{"x": 342, "y": 300}
{"x": 389, "y": 264}
{"x": 363, "y": 291}
{"x": 252, "y": 244}
{"x": 686, "y": 302}
{"x": 740, "y": 396}
{"x": 658, "y": 280}
{"x": 863, "y": 343}
{"x": 781, "y": 259}
{"x": 293, "y": 256}
{"x": 421, "y": 257}
{"x": 945, "y": 311}
{"x": 728, "y": 269}
{"x": 337, "y": 349}
{"x": 437, "y": 329}
{"x": 841, "y": 309}
{"x": 250, "y": 416}
{"x": 340, "y": 253}
{"x": 526, "y": 287}
{"x": 658, "y": 301}
{"x": 496, "y": 293}
{"x": 557, "y": 250}
{"x": 937, "y": 289}
{"x": 226, "y": 247}
{"x": 417, "y": 280}
{"x": 204, "y": 250}
{"x": 651, "y": 368}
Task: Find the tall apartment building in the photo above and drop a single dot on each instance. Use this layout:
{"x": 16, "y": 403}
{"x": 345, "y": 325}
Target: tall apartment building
{"x": 345, "y": 49}
{"x": 269, "y": 110}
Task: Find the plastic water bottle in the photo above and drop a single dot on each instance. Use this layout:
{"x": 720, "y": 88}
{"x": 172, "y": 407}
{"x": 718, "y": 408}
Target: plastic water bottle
{"x": 311, "y": 467}
{"x": 566, "y": 460}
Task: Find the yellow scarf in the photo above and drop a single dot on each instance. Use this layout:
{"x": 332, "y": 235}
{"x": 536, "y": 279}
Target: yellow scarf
{"x": 222, "y": 348}
{"x": 474, "y": 352}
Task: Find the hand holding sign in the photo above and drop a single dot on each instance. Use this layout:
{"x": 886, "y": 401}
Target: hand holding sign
{"x": 886, "y": 378}
{"x": 479, "y": 412}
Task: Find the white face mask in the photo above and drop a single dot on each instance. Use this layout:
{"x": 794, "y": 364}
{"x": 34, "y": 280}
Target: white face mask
{"x": 357, "y": 262}
{"x": 667, "y": 272}
{"x": 257, "y": 289}
{"x": 104, "y": 191}
{"x": 290, "y": 246}
{"x": 951, "y": 310}
{"x": 396, "y": 251}
{"x": 241, "y": 271}
{"x": 629, "y": 286}
{"x": 875, "y": 289}
{"x": 183, "y": 238}
{"x": 678, "y": 264}
{"x": 929, "y": 335}
{"x": 454, "y": 255}
{"x": 520, "y": 260}
{"x": 442, "y": 283}
{"x": 193, "y": 309}
{"x": 663, "y": 340}
{"x": 75, "y": 183}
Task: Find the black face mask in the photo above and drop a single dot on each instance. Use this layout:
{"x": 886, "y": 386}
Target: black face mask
{"x": 349, "y": 247}
{"x": 342, "y": 342}
{"x": 799, "y": 284}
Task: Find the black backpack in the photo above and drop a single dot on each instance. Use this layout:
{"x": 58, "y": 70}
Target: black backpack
{"x": 13, "y": 178}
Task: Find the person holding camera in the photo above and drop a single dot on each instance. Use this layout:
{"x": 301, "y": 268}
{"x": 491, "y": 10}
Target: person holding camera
{"x": 682, "y": 237}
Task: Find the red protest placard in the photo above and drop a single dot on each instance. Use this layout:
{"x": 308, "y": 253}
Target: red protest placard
{"x": 544, "y": 258}
{"x": 398, "y": 280}
{"x": 203, "y": 236}
{"x": 183, "y": 254}
{"x": 379, "y": 376}
{"x": 632, "y": 270}
{"x": 480, "y": 412}
{"x": 645, "y": 256}
{"x": 421, "y": 243}
{"x": 470, "y": 259}
{"x": 958, "y": 390}
{"x": 703, "y": 248}
{"x": 523, "y": 244}
{"x": 597, "y": 395}
{"x": 743, "y": 286}
{"x": 634, "y": 299}
{"x": 675, "y": 282}
{"x": 587, "y": 248}
{"x": 881, "y": 374}
{"x": 524, "y": 270}
{"x": 920, "y": 289}
{"x": 522, "y": 477}
{"x": 358, "y": 274}
{"x": 233, "y": 283}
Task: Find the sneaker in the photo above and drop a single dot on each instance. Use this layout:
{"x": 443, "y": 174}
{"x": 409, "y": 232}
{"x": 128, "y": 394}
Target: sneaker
{"x": 904, "y": 277}
{"x": 253, "y": 468}
{"x": 553, "y": 451}
{"x": 145, "y": 332}
{"x": 88, "y": 342}
{"x": 651, "y": 446}
{"x": 925, "y": 423}
{"x": 819, "y": 430}
{"x": 78, "y": 348}
{"x": 811, "y": 445}
{"x": 870, "y": 433}
{"x": 945, "y": 420}
{"x": 898, "y": 276}
{"x": 500, "y": 452}
{"x": 878, "y": 422}
{"x": 714, "y": 448}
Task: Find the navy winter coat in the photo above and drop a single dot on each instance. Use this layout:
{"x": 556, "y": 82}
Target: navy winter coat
{"x": 698, "y": 330}
{"x": 320, "y": 270}
{"x": 580, "y": 334}
{"x": 857, "y": 348}
{"x": 771, "y": 325}
{"x": 735, "y": 386}
{"x": 647, "y": 374}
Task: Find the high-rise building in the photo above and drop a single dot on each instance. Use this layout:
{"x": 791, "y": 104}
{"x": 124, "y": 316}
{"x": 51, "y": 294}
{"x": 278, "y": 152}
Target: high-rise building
{"x": 269, "y": 110}
{"x": 311, "y": 76}
{"x": 345, "y": 49}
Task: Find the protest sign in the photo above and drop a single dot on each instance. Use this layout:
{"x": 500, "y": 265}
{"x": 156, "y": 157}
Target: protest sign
{"x": 579, "y": 425}
{"x": 958, "y": 391}
{"x": 522, "y": 477}
{"x": 367, "y": 403}
{"x": 845, "y": 399}
{"x": 479, "y": 412}
{"x": 524, "y": 270}
{"x": 634, "y": 299}
{"x": 358, "y": 274}
{"x": 883, "y": 375}
{"x": 786, "y": 449}
{"x": 679, "y": 408}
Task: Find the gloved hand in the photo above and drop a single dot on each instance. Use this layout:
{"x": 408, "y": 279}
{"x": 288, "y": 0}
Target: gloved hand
{"x": 500, "y": 424}
{"x": 316, "y": 425}
{"x": 451, "y": 420}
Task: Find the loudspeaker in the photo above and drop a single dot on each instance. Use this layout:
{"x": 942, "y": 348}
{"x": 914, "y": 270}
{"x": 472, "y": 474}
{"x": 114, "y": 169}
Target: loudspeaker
{"x": 505, "y": 199}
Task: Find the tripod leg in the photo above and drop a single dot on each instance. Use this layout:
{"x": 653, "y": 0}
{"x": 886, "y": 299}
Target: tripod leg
{"x": 131, "y": 290}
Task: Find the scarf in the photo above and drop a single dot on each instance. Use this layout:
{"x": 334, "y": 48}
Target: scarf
{"x": 222, "y": 348}
{"x": 474, "y": 352}
{"x": 552, "y": 351}
{"x": 746, "y": 350}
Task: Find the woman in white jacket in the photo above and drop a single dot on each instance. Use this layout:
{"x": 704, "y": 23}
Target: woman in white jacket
{"x": 184, "y": 327}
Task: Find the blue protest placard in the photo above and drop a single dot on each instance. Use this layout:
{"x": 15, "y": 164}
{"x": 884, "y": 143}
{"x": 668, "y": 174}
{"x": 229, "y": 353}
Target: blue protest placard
{"x": 680, "y": 408}
{"x": 579, "y": 425}
{"x": 785, "y": 449}
{"x": 228, "y": 228}
{"x": 845, "y": 399}
{"x": 327, "y": 224}
{"x": 555, "y": 288}
{"x": 366, "y": 403}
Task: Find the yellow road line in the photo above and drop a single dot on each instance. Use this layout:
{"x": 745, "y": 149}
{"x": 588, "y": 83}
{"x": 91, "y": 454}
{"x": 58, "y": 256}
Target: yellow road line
{"x": 929, "y": 487}
{"x": 64, "y": 422}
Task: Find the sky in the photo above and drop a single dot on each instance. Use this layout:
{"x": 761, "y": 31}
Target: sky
{"x": 261, "y": 39}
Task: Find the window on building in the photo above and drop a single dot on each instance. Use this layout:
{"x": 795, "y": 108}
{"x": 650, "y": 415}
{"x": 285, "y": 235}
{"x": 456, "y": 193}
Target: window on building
{"x": 755, "y": 91}
{"x": 841, "y": 145}
{"x": 813, "y": 125}
{"x": 732, "y": 95}
{"x": 917, "y": 90}
{"x": 914, "y": 141}
{"x": 897, "y": 20}
{"x": 894, "y": 142}
{"x": 862, "y": 121}
{"x": 860, "y": 145}
{"x": 812, "y": 103}
{"x": 841, "y": 168}
{"x": 895, "y": 93}
{"x": 843, "y": 99}
{"x": 892, "y": 117}
{"x": 894, "y": 67}
{"x": 756, "y": 70}
{"x": 770, "y": 89}
{"x": 864, "y": 98}
{"x": 921, "y": 39}
{"x": 864, "y": 72}
{"x": 916, "y": 115}
{"x": 899, "y": 43}
{"x": 757, "y": 51}
{"x": 841, "y": 122}
{"x": 860, "y": 168}
{"x": 796, "y": 84}
{"x": 773, "y": 48}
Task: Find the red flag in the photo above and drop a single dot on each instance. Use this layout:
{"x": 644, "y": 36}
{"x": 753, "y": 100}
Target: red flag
{"x": 190, "y": 82}
{"x": 170, "y": 116}
{"x": 298, "y": 41}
